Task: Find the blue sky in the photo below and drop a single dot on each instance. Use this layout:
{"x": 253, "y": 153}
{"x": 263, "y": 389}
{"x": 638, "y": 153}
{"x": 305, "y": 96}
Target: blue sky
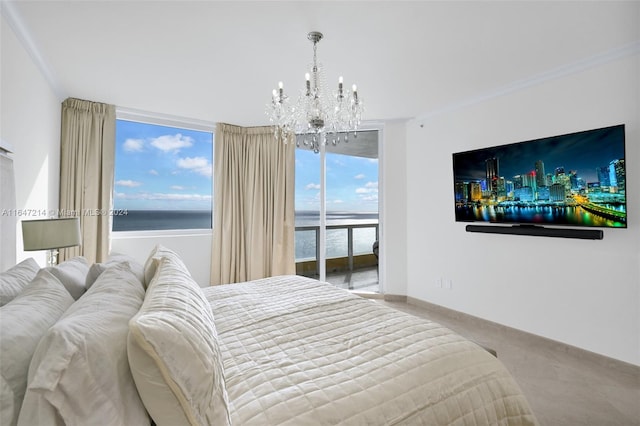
{"x": 162, "y": 168}
{"x": 352, "y": 182}
{"x": 166, "y": 168}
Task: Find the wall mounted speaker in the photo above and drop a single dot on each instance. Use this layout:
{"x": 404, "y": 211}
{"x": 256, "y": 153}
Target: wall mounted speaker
{"x": 538, "y": 231}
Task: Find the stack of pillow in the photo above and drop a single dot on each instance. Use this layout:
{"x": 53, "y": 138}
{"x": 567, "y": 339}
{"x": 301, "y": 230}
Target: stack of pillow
{"x": 114, "y": 343}
{"x": 24, "y": 320}
{"x": 63, "y": 355}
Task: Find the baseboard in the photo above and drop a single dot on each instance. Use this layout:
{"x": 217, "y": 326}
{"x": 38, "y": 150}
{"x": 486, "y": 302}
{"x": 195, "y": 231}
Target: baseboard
{"x": 368, "y": 294}
{"x": 554, "y": 345}
{"x": 395, "y": 298}
{"x": 381, "y": 296}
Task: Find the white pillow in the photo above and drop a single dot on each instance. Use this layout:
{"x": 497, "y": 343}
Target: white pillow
{"x": 80, "y": 372}
{"x": 158, "y": 252}
{"x": 95, "y": 271}
{"x": 15, "y": 279}
{"x": 174, "y": 354}
{"x": 136, "y": 267}
{"x": 98, "y": 268}
{"x": 23, "y": 321}
{"x": 73, "y": 274}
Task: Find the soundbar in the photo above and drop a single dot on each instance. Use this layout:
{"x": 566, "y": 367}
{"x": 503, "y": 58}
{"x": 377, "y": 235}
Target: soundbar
{"x": 538, "y": 231}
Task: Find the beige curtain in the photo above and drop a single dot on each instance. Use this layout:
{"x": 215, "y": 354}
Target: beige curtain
{"x": 87, "y": 150}
{"x": 253, "y": 232}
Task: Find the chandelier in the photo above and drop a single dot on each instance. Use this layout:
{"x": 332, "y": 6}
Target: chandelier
{"x": 317, "y": 116}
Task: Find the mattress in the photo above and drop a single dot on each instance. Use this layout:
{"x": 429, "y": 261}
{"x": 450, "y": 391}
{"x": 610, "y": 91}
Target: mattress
{"x": 298, "y": 351}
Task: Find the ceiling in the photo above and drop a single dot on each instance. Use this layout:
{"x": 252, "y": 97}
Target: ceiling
{"x": 219, "y": 61}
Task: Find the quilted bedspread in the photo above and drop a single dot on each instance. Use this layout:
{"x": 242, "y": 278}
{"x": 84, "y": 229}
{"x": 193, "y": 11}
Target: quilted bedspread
{"x": 297, "y": 351}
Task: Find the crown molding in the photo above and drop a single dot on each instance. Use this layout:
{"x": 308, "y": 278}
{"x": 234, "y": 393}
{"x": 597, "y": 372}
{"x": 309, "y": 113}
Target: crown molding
{"x": 587, "y": 63}
{"x": 5, "y": 147}
{"x": 12, "y": 17}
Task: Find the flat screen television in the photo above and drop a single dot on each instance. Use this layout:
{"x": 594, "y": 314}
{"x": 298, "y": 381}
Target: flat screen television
{"x": 576, "y": 179}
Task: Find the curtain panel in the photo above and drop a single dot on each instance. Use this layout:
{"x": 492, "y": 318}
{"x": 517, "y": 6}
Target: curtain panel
{"x": 254, "y": 225}
{"x": 87, "y": 152}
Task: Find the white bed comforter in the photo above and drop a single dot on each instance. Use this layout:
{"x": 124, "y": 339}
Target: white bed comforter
{"x": 298, "y": 351}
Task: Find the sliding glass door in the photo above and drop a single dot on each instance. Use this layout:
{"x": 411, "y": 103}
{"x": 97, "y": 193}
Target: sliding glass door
{"x": 307, "y": 206}
{"x": 337, "y": 225}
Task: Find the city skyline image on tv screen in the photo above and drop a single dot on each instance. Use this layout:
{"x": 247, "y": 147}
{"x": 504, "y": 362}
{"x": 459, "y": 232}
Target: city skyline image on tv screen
{"x": 577, "y": 179}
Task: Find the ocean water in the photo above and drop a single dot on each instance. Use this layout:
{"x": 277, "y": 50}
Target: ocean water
{"x": 305, "y": 241}
{"x": 149, "y": 220}
{"x": 336, "y": 239}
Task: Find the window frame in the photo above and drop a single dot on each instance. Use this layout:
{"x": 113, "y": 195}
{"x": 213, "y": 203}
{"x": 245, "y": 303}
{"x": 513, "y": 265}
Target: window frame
{"x": 145, "y": 117}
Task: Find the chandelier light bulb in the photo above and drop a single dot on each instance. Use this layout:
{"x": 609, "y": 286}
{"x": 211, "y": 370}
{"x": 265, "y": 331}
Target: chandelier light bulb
{"x": 317, "y": 115}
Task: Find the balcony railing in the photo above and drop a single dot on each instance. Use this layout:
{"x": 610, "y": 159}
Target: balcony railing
{"x": 363, "y": 258}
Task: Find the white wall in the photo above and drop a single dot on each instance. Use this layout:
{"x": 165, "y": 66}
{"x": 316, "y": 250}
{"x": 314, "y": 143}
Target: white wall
{"x": 584, "y": 293}
{"x": 30, "y": 121}
{"x": 393, "y": 177}
{"x": 193, "y": 247}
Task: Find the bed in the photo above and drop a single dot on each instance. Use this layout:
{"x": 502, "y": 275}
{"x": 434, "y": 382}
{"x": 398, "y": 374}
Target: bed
{"x": 299, "y": 351}
{"x": 285, "y": 350}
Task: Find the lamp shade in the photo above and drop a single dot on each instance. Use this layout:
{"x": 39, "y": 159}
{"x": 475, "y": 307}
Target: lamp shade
{"x": 45, "y": 234}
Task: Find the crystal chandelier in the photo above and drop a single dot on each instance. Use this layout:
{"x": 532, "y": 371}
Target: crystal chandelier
{"x": 318, "y": 116}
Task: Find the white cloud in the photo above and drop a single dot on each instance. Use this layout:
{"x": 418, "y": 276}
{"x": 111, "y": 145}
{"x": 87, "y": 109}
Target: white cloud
{"x": 359, "y": 176}
{"x": 198, "y": 165}
{"x": 192, "y": 162}
{"x": 338, "y": 162}
{"x": 312, "y": 186}
{"x": 153, "y": 172}
{"x": 172, "y": 143}
{"x": 133, "y": 145}
{"x": 369, "y": 192}
{"x": 128, "y": 183}
{"x": 177, "y": 187}
{"x": 163, "y": 196}
{"x": 368, "y": 188}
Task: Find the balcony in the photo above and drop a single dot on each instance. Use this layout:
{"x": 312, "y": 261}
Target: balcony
{"x": 350, "y": 262}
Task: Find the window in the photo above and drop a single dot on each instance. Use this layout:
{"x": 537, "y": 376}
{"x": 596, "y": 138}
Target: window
{"x": 163, "y": 176}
